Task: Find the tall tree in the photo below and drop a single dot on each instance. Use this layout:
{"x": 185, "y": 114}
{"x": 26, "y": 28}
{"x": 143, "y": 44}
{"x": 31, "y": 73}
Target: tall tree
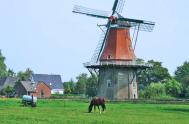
{"x": 69, "y": 87}
{"x": 3, "y": 66}
{"x": 91, "y": 86}
{"x": 182, "y": 75}
{"x": 81, "y": 83}
{"x": 187, "y": 92}
{"x": 11, "y": 73}
{"x": 23, "y": 76}
{"x": 156, "y": 73}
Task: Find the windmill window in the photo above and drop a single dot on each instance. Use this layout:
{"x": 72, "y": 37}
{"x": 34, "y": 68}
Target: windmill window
{"x": 109, "y": 83}
{"x": 109, "y": 57}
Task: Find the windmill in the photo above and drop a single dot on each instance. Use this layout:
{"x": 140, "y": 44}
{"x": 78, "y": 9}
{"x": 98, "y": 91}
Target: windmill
{"x": 114, "y": 61}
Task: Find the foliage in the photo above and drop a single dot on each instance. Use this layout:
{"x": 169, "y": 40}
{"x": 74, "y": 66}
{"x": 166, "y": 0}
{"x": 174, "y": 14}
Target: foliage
{"x": 140, "y": 61}
{"x": 69, "y": 87}
{"x": 23, "y": 76}
{"x": 187, "y": 92}
{"x": 153, "y": 91}
{"x": 182, "y": 75}
{"x": 84, "y": 85}
{"x": 11, "y": 73}
{"x": 81, "y": 83}
{"x": 3, "y": 66}
{"x": 2, "y": 92}
{"x": 156, "y": 73}
{"x": 91, "y": 86}
{"x": 8, "y": 91}
{"x": 74, "y": 112}
{"x": 173, "y": 87}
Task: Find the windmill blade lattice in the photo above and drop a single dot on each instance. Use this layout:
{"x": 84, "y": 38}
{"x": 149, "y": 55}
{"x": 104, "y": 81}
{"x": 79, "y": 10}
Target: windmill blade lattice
{"x": 147, "y": 27}
{"x": 114, "y": 21}
{"x": 94, "y": 58}
{"x": 120, "y": 6}
{"x": 105, "y": 38}
{"x": 133, "y": 23}
{"x": 90, "y": 12}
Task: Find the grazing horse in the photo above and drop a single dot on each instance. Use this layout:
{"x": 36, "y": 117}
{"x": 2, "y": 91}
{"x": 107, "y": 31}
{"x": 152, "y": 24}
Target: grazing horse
{"x": 97, "y": 102}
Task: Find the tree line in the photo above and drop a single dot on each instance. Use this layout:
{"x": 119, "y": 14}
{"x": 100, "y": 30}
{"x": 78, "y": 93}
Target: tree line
{"x": 86, "y": 85}
{"x": 6, "y": 72}
{"x": 154, "y": 82}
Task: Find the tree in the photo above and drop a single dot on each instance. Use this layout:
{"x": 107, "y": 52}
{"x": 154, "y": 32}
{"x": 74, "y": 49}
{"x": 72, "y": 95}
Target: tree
{"x": 173, "y": 87}
{"x": 8, "y": 91}
{"x": 3, "y": 66}
{"x": 81, "y": 83}
{"x": 187, "y": 92}
{"x": 69, "y": 87}
{"x": 23, "y": 76}
{"x": 156, "y": 73}
{"x": 11, "y": 73}
{"x": 182, "y": 76}
{"x": 91, "y": 86}
{"x": 72, "y": 85}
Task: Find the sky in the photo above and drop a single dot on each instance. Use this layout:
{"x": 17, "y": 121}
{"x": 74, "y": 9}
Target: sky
{"x": 47, "y": 37}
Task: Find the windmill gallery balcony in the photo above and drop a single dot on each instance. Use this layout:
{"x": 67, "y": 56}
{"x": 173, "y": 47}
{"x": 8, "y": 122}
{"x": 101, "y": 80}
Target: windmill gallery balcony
{"x": 129, "y": 64}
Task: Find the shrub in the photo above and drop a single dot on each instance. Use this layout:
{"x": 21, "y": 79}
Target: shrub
{"x": 153, "y": 91}
{"x": 173, "y": 87}
{"x": 187, "y": 92}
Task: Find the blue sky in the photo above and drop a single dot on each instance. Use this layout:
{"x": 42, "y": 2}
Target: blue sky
{"x": 47, "y": 37}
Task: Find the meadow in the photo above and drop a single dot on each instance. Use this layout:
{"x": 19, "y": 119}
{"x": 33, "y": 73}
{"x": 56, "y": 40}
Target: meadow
{"x": 75, "y": 112}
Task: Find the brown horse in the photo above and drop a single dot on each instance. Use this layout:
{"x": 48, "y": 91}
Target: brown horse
{"x": 97, "y": 102}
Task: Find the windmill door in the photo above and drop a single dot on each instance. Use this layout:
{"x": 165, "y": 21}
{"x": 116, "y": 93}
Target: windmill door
{"x": 109, "y": 90}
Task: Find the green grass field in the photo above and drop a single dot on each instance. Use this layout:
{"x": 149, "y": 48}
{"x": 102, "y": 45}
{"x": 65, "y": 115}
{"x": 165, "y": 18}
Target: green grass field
{"x": 75, "y": 112}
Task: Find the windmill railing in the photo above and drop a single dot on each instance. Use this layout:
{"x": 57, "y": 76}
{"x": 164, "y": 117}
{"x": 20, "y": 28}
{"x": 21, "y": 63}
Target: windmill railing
{"x": 121, "y": 63}
{"x": 128, "y": 63}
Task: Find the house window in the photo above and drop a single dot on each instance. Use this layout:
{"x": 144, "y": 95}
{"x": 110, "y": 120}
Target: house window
{"x": 109, "y": 83}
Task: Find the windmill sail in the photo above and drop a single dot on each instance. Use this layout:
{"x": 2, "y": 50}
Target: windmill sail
{"x": 115, "y": 7}
{"x": 90, "y": 12}
{"x": 116, "y": 21}
{"x": 133, "y": 23}
{"x": 120, "y": 6}
{"x": 94, "y": 58}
